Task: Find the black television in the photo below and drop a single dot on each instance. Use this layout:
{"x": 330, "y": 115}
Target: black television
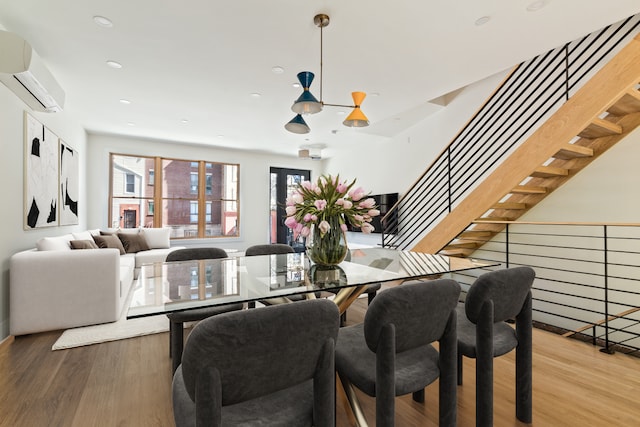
{"x": 385, "y": 202}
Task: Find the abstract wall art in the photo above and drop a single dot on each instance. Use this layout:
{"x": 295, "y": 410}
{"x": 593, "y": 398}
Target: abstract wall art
{"x": 41, "y": 175}
{"x": 69, "y": 189}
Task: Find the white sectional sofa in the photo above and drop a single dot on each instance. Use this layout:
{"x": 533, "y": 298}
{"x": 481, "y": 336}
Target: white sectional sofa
{"x": 56, "y": 287}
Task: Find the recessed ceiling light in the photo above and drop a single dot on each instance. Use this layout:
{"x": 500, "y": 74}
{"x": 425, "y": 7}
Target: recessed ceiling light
{"x": 296, "y": 85}
{"x": 131, "y": 124}
{"x": 114, "y": 64}
{"x": 537, "y": 5}
{"x": 277, "y": 70}
{"x": 341, "y": 113}
{"x": 482, "y": 20}
{"x": 255, "y": 95}
{"x": 125, "y": 101}
{"x": 185, "y": 121}
{"x": 102, "y": 21}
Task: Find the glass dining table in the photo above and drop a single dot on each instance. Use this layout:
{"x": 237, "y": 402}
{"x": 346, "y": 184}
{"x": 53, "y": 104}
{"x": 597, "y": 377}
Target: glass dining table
{"x": 166, "y": 287}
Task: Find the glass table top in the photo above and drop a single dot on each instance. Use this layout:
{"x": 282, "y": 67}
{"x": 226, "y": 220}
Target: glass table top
{"x": 174, "y": 286}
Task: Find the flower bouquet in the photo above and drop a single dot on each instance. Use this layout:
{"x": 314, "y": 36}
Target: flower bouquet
{"x": 320, "y": 212}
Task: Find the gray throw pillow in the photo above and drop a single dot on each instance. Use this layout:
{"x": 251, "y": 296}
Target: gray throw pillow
{"x": 83, "y": 244}
{"x": 109, "y": 242}
{"x": 133, "y": 243}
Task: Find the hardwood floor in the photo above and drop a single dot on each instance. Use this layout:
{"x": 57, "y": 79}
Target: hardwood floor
{"x": 128, "y": 383}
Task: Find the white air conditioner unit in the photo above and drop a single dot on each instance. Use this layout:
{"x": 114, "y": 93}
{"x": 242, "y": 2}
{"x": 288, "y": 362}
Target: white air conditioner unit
{"x": 22, "y": 71}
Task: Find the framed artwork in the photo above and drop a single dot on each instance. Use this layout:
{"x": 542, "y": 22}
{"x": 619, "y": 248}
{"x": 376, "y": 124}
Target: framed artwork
{"x": 41, "y": 175}
{"x": 69, "y": 186}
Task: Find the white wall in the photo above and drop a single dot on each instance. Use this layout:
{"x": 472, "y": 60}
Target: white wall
{"x": 14, "y": 237}
{"x": 254, "y": 181}
{"x": 393, "y": 166}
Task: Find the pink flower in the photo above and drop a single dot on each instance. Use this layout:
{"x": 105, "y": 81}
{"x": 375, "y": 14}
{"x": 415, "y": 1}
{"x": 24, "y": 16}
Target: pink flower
{"x": 343, "y": 227}
{"x": 307, "y": 217}
{"x": 347, "y": 204}
{"x": 306, "y": 185}
{"x": 320, "y": 204}
{"x": 340, "y": 202}
{"x": 314, "y": 218}
{"x": 305, "y": 231}
{"x": 373, "y": 212}
{"x": 368, "y": 203}
{"x": 358, "y": 218}
{"x": 357, "y": 194}
{"x": 341, "y": 188}
{"x": 367, "y": 228}
{"x": 290, "y": 201}
{"x": 290, "y": 210}
{"x": 297, "y": 198}
{"x": 324, "y": 227}
{"x": 290, "y": 222}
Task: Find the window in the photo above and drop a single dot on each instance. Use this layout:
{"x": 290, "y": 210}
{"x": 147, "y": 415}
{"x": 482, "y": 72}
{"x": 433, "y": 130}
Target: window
{"x": 183, "y": 190}
{"x": 130, "y": 183}
{"x": 194, "y": 182}
{"x": 193, "y": 212}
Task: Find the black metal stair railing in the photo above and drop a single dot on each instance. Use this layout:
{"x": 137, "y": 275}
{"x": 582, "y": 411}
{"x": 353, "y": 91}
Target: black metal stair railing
{"x": 587, "y": 278}
{"x": 532, "y": 92}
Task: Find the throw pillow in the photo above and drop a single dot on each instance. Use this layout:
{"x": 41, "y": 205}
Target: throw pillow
{"x": 157, "y": 238}
{"x": 133, "y": 243}
{"x": 109, "y": 242}
{"x": 83, "y": 244}
{"x": 60, "y": 243}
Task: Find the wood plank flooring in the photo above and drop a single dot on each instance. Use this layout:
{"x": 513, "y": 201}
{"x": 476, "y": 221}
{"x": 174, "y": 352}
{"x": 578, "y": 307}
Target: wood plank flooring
{"x": 128, "y": 383}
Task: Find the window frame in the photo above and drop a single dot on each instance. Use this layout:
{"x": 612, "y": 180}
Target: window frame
{"x": 205, "y": 200}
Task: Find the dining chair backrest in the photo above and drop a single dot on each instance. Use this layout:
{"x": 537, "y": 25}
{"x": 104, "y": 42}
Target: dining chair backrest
{"x": 419, "y": 312}
{"x": 188, "y": 254}
{"x": 252, "y": 353}
{"x": 274, "y": 248}
{"x": 506, "y": 288}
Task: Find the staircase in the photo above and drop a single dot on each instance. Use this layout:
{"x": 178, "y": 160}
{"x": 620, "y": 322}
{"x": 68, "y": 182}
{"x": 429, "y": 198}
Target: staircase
{"x": 596, "y": 117}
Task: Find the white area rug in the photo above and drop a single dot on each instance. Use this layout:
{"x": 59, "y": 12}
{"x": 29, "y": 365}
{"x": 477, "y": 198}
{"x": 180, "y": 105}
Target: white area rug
{"x": 118, "y": 330}
{"x": 121, "y": 329}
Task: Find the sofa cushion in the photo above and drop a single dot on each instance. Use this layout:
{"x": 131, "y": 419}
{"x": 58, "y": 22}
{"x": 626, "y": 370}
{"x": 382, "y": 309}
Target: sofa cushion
{"x": 153, "y": 255}
{"x": 83, "y": 244}
{"x": 157, "y": 238}
{"x": 133, "y": 243}
{"x": 108, "y": 241}
{"x": 59, "y": 243}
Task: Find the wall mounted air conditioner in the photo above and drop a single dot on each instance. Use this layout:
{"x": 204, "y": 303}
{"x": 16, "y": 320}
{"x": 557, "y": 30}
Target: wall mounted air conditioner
{"x": 22, "y": 71}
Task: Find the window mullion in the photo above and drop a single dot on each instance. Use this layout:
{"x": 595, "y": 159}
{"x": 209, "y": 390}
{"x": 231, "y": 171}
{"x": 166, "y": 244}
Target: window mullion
{"x": 201, "y": 199}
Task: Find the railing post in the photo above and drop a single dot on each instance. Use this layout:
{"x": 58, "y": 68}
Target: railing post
{"x": 506, "y": 246}
{"x": 566, "y": 71}
{"x": 606, "y": 348}
{"x": 449, "y": 177}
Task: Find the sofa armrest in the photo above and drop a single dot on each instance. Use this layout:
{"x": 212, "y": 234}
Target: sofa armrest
{"x": 52, "y": 290}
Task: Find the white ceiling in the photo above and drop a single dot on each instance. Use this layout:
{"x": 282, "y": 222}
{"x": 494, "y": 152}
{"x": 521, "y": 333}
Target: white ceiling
{"x": 201, "y": 60}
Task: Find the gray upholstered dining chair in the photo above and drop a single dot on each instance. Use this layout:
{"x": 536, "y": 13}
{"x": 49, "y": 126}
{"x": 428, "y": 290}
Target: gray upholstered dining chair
{"x": 272, "y": 366}
{"x": 177, "y": 319}
{"x": 483, "y": 334}
{"x": 391, "y": 353}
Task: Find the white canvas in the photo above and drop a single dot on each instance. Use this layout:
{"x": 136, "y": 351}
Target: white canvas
{"x": 69, "y": 185}
{"x": 41, "y": 175}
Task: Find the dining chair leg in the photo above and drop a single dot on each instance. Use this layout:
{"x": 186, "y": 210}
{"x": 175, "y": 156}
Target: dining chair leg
{"x": 418, "y": 396}
{"x": 524, "y": 380}
{"x": 484, "y": 367}
{"x": 459, "y": 368}
{"x": 176, "y": 338}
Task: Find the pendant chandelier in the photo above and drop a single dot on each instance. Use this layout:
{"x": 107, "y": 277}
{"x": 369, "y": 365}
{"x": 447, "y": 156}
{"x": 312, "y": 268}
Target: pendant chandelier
{"x": 309, "y": 104}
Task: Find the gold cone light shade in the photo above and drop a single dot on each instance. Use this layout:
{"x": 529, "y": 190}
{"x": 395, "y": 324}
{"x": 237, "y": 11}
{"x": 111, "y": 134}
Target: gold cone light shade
{"x": 357, "y": 119}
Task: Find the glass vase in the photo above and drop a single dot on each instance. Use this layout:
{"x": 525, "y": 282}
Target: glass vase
{"x": 330, "y": 248}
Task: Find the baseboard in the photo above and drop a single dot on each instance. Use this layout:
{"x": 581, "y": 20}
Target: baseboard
{"x": 6, "y": 342}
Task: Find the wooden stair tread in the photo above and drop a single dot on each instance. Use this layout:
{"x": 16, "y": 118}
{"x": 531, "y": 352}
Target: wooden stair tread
{"x": 572, "y": 151}
{"x": 462, "y": 245}
{"x": 528, "y": 189}
{"x": 510, "y": 206}
{"x": 549, "y": 172}
{"x": 600, "y": 128}
{"x": 629, "y": 103}
{"x": 473, "y": 234}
